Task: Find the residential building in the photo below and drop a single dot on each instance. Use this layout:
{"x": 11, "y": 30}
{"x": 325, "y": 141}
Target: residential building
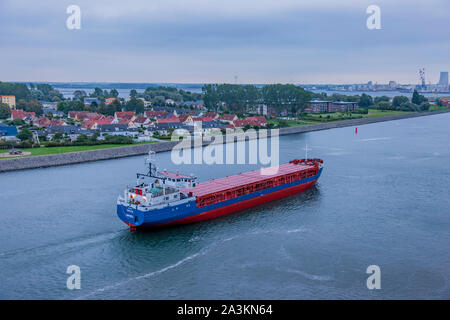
{"x": 89, "y": 101}
{"x": 20, "y": 114}
{"x": 44, "y": 122}
{"x": 155, "y": 114}
{"x": 110, "y": 100}
{"x": 9, "y": 100}
{"x": 229, "y": 118}
{"x": 8, "y": 133}
{"x": 171, "y": 119}
{"x": 73, "y": 132}
{"x": 127, "y": 115}
{"x": 258, "y": 121}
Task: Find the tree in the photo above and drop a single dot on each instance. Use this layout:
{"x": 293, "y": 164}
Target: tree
{"x": 57, "y": 136}
{"x": 399, "y": 100}
{"x": 34, "y": 106}
{"x": 380, "y": 99}
{"x": 384, "y": 105}
{"x": 24, "y": 134}
{"x": 97, "y": 92}
{"x": 133, "y": 93}
{"x": 79, "y": 94}
{"x": 365, "y": 101}
{"x": 5, "y": 111}
{"x": 136, "y": 105}
{"x": 417, "y": 98}
{"x": 159, "y": 100}
{"x": 18, "y": 122}
{"x": 114, "y": 93}
{"x": 424, "y": 106}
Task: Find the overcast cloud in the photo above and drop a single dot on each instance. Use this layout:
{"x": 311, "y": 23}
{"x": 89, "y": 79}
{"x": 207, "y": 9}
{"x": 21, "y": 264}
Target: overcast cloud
{"x": 262, "y": 41}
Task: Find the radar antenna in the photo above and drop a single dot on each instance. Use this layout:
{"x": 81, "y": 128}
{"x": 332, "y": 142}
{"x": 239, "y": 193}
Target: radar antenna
{"x": 152, "y": 170}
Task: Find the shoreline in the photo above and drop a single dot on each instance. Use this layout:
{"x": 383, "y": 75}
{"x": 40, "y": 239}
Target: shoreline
{"x": 68, "y": 158}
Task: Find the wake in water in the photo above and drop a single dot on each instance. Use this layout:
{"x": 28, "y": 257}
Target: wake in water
{"x": 374, "y": 139}
{"x": 200, "y": 253}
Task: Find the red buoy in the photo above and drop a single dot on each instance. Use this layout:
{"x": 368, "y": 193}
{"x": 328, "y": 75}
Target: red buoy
{"x": 356, "y": 130}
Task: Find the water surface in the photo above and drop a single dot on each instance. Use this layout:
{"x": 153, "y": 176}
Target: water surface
{"x": 383, "y": 199}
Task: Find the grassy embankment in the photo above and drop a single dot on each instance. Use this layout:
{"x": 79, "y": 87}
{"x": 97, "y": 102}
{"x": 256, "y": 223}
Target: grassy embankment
{"x": 335, "y": 116}
{"x": 42, "y": 151}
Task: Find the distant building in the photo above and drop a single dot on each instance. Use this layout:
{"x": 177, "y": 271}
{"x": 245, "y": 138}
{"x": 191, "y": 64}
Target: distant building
{"x": 443, "y": 81}
{"x": 317, "y": 106}
{"x": 109, "y": 100}
{"x": 229, "y": 118}
{"x": 262, "y": 109}
{"x": 9, "y": 100}
{"x": 8, "y": 132}
{"x": 20, "y": 114}
{"x": 89, "y": 101}
{"x": 321, "y": 106}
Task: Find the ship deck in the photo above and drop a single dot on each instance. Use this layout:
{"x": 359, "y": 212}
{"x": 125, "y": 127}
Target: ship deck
{"x": 222, "y": 184}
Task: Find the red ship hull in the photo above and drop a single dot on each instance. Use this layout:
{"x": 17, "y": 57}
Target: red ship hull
{"x": 241, "y": 205}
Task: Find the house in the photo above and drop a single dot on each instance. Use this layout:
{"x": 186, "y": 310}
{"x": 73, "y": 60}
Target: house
{"x": 155, "y": 114}
{"x": 90, "y": 101}
{"x": 171, "y": 119}
{"x": 9, "y": 100}
{"x": 20, "y": 114}
{"x": 8, "y": 133}
{"x": 202, "y": 119}
{"x": 186, "y": 119}
{"x": 54, "y": 112}
{"x": 195, "y": 113}
{"x": 170, "y": 101}
{"x": 73, "y": 132}
{"x": 258, "y": 121}
{"x": 212, "y": 115}
{"x": 210, "y": 127}
{"x": 85, "y": 115}
{"x": 117, "y": 129}
{"x": 127, "y": 115}
{"x": 49, "y": 104}
{"x": 229, "y": 118}
{"x": 142, "y": 121}
{"x": 146, "y": 103}
{"x": 195, "y": 104}
{"x": 110, "y": 100}
{"x": 166, "y": 128}
{"x": 240, "y": 123}
{"x": 44, "y": 122}
{"x": 93, "y": 124}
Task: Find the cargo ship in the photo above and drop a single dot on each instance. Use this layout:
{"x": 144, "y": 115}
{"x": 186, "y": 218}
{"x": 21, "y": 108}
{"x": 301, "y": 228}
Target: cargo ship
{"x": 163, "y": 198}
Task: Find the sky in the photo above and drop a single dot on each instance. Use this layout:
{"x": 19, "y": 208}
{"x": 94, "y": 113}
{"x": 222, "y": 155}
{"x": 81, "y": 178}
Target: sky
{"x": 211, "y": 41}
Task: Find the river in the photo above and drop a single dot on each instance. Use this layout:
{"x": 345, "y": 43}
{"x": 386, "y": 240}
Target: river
{"x": 383, "y": 199}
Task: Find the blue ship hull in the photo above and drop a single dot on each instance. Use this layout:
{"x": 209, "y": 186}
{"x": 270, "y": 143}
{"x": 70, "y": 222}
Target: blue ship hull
{"x": 188, "y": 212}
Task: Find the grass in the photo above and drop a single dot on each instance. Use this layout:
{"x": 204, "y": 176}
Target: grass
{"x": 42, "y": 151}
{"x": 291, "y": 123}
{"x": 335, "y": 116}
{"x": 381, "y": 113}
{"x": 439, "y": 108}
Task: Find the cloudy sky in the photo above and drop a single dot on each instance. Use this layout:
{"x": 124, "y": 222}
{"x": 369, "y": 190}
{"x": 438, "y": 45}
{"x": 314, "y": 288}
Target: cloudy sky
{"x": 198, "y": 41}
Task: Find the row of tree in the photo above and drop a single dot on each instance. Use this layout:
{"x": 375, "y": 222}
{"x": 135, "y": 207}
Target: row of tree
{"x": 237, "y": 98}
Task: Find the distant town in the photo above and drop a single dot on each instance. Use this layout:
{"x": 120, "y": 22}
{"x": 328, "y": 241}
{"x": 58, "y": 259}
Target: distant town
{"x": 37, "y": 117}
